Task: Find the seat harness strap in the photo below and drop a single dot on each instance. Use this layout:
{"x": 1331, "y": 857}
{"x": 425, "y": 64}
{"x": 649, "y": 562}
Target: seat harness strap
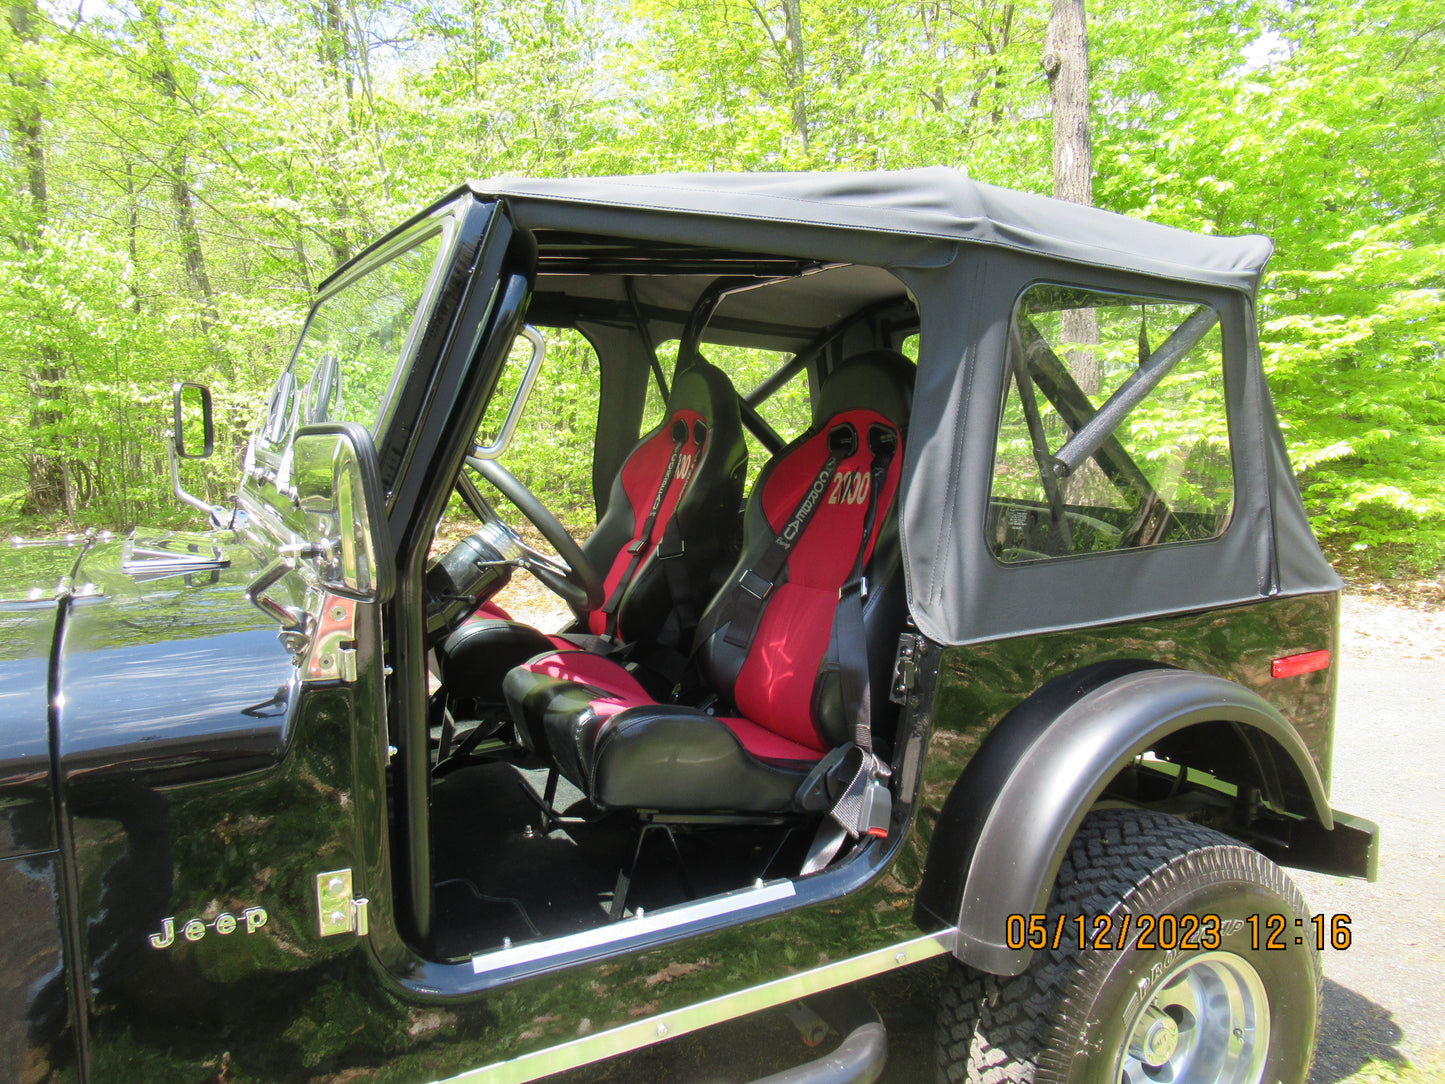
{"x": 864, "y": 807}
{"x": 848, "y": 645}
{"x": 666, "y": 656}
{"x": 682, "y": 617}
{"x": 851, "y": 776}
{"x": 639, "y": 546}
{"x": 749, "y": 596}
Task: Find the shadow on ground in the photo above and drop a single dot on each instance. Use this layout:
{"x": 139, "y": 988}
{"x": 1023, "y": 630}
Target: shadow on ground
{"x": 1353, "y": 1030}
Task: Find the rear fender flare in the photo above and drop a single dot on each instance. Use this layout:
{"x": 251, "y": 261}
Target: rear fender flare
{"x": 1008, "y": 821}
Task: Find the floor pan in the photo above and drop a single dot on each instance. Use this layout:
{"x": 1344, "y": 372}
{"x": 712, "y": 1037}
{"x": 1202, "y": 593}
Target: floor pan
{"x": 500, "y": 878}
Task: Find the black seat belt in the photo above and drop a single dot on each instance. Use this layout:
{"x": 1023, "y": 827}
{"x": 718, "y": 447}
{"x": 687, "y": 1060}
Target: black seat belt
{"x": 638, "y": 546}
{"x": 849, "y": 781}
{"x": 666, "y": 656}
{"x": 864, "y": 806}
{"x": 682, "y": 617}
{"x": 750, "y": 594}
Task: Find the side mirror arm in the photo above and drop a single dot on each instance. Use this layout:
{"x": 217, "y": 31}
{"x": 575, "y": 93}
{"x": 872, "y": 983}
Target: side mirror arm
{"x": 176, "y": 449}
{"x": 214, "y": 512}
{"x": 296, "y": 624}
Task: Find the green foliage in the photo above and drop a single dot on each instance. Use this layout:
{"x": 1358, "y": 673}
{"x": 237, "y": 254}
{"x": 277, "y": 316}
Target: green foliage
{"x": 180, "y": 178}
{"x": 788, "y": 410}
{"x": 1367, "y": 374}
{"x": 552, "y": 451}
{"x": 1387, "y": 1072}
{"x": 1320, "y": 126}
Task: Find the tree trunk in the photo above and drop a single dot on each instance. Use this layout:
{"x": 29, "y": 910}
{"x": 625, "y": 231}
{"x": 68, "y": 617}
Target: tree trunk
{"x": 797, "y": 69}
{"x": 46, "y": 491}
{"x": 995, "y": 50}
{"x": 27, "y": 120}
{"x": 1005, "y": 32}
{"x": 1066, "y": 62}
{"x": 178, "y": 171}
{"x": 183, "y": 205}
{"x": 132, "y": 227}
{"x": 336, "y": 63}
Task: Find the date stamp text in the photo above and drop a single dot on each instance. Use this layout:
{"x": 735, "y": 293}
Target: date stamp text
{"x": 1188, "y": 932}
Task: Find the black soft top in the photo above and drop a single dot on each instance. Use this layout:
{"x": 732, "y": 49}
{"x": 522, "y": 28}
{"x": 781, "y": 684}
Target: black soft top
{"x": 896, "y": 209}
{"x": 963, "y": 251}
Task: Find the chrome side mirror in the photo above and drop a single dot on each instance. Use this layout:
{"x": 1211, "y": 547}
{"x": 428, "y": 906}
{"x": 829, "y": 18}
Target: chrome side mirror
{"x": 192, "y": 430}
{"x": 192, "y": 435}
{"x": 336, "y": 486}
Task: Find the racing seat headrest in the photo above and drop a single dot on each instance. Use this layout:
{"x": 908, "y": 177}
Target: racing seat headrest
{"x": 879, "y": 380}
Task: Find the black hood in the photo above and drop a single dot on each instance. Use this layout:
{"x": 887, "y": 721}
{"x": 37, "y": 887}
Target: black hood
{"x": 165, "y": 668}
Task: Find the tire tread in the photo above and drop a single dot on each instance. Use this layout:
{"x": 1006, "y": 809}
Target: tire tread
{"x": 1008, "y": 1022}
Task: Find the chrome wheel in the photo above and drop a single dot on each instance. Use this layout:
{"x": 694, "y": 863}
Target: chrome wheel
{"x": 1207, "y": 1023}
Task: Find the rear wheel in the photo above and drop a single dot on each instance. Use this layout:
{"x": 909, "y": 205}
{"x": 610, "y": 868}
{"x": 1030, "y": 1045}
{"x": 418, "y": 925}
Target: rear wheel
{"x": 1207, "y": 1009}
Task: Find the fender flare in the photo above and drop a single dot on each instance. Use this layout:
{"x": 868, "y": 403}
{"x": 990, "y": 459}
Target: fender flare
{"x": 1011, "y": 816}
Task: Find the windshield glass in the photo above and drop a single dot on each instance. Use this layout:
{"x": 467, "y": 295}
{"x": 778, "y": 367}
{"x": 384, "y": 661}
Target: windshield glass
{"x": 350, "y": 360}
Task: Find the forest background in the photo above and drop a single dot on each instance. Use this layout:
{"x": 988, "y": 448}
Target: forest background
{"x": 178, "y": 177}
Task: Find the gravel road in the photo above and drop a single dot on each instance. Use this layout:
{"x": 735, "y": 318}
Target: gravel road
{"x": 1383, "y": 995}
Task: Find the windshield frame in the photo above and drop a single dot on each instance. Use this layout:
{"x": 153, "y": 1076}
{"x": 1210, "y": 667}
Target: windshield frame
{"x": 284, "y": 409}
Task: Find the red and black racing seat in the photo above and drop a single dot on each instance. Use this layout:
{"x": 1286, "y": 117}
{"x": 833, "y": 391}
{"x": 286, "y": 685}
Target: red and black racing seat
{"x": 797, "y": 642}
{"x": 670, "y": 531}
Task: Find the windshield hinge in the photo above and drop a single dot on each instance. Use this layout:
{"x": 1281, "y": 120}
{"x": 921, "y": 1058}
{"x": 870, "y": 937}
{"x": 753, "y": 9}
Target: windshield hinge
{"x": 905, "y": 667}
{"x": 337, "y": 910}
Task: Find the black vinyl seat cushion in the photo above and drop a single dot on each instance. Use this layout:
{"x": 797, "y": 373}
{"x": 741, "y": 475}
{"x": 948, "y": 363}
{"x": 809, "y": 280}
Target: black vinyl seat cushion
{"x": 627, "y": 751}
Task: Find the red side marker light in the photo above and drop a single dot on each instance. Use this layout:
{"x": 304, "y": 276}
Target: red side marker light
{"x": 1294, "y": 665}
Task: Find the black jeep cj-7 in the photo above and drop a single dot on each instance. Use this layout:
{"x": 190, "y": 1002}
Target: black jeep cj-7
{"x": 1004, "y": 638}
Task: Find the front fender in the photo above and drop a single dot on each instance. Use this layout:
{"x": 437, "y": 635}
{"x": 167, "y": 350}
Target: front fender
{"x": 1005, "y": 827}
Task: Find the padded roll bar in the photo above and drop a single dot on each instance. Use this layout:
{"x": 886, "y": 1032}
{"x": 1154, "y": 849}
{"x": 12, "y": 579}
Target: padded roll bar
{"x": 1133, "y": 391}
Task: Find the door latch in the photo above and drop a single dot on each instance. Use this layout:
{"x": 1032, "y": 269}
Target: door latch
{"x": 338, "y": 910}
{"x": 905, "y": 667}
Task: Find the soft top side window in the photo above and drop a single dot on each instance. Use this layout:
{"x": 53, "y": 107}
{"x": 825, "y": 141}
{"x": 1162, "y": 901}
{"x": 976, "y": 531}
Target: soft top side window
{"x": 1113, "y": 432}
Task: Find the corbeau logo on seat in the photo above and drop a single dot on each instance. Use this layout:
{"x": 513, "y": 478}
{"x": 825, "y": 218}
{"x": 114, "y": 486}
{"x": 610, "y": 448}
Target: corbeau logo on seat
{"x": 789, "y": 534}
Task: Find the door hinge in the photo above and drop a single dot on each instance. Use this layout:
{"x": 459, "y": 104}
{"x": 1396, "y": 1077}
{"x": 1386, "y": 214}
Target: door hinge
{"x": 338, "y": 911}
{"x": 331, "y": 653}
{"x": 905, "y": 667}
{"x": 346, "y": 663}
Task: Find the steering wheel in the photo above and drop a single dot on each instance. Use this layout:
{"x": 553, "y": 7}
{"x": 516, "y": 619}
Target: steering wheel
{"x": 1070, "y": 517}
{"x": 1097, "y": 526}
{"x": 573, "y": 579}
